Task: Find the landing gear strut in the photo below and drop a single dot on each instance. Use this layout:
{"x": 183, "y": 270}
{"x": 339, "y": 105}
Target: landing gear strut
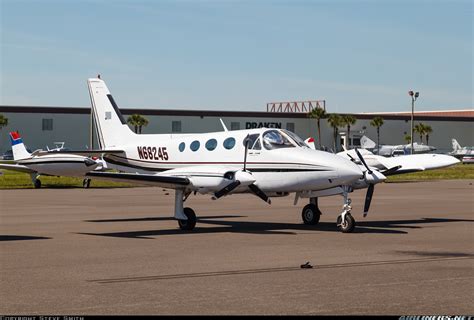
{"x": 311, "y": 212}
{"x": 185, "y": 216}
{"x": 345, "y": 222}
{"x": 35, "y": 180}
{"x": 86, "y": 183}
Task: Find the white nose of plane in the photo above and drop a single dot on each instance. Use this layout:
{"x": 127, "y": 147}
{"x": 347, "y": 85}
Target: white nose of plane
{"x": 348, "y": 171}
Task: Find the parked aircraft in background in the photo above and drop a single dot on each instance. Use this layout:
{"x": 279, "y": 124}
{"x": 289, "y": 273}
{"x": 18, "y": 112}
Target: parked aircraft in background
{"x": 391, "y": 150}
{"x": 267, "y": 162}
{"x": 42, "y": 163}
{"x": 460, "y": 152}
{"x": 402, "y": 164}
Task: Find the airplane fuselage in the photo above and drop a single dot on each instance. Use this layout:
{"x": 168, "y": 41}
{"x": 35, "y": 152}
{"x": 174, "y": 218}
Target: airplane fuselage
{"x": 286, "y": 168}
{"x": 60, "y": 165}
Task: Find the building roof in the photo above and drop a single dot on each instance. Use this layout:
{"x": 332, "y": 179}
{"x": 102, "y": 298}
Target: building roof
{"x": 445, "y": 115}
{"x": 467, "y": 113}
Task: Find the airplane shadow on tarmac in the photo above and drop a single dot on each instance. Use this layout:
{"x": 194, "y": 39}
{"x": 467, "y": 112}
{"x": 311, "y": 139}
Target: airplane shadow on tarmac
{"x": 17, "y": 237}
{"x": 222, "y": 226}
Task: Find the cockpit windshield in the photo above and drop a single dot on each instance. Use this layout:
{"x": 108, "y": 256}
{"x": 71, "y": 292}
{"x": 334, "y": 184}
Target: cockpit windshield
{"x": 300, "y": 142}
{"x": 273, "y": 139}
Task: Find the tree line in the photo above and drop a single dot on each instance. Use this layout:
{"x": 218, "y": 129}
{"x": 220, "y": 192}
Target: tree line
{"x": 337, "y": 121}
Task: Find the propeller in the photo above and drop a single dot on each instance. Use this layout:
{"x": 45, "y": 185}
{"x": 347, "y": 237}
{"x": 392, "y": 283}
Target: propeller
{"x": 242, "y": 177}
{"x": 370, "y": 189}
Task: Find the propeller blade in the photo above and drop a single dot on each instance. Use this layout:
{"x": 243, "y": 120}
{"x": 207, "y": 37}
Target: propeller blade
{"x": 231, "y": 186}
{"x": 368, "y": 198}
{"x": 363, "y": 161}
{"x": 259, "y": 193}
{"x": 246, "y": 148}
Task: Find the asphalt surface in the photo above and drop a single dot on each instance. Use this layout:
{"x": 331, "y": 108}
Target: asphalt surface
{"x": 117, "y": 251}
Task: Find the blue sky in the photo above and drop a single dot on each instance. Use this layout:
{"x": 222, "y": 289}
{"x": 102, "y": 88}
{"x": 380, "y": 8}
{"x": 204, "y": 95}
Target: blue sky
{"x": 238, "y": 55}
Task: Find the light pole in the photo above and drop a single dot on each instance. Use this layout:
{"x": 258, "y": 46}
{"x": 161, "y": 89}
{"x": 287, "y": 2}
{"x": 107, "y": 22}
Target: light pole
{"x": 413, "y": 96}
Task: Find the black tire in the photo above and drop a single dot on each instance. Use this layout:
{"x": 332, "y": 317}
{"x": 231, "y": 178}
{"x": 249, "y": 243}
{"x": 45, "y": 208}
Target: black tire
{"x": 310, "y": 214}
{"x": 190, "y": 223}
{"x": 349, "y": 224}
{"x": 37, "y": 183}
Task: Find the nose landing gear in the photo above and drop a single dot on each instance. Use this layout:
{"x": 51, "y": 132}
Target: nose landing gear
{"x": 345, "y": 222}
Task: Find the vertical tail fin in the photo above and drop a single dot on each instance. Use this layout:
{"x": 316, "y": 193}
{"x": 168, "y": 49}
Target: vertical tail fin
{"x": 456, "y": 145}
{"x": 111, "y": 126}
{"x": 18, "y": 148}
{"x": 366, "y": 143}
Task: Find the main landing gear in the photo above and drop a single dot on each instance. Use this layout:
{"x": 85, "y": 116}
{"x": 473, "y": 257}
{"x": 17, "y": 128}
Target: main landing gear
{"x": 311, "y": 212}
{"x": 185, "y": 216}
{"x": 35, "y": 179}
{"x": 86, "y": 183}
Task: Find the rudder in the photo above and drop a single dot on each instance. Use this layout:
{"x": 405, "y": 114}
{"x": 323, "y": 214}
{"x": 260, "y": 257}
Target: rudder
{"x": 18, "y": 147}
{"x": 112, "y": 129}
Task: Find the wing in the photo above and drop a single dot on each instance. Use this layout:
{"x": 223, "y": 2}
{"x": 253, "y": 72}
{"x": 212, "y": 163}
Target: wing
{"x": 157, "y": 180}
{"x": 16, "y": 167}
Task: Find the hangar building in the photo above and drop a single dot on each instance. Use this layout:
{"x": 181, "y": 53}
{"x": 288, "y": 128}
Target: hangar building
{"x": 42, "y": 126}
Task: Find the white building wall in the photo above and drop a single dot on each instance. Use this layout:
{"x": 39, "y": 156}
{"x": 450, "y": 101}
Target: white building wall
{"x": 73, "y": 129}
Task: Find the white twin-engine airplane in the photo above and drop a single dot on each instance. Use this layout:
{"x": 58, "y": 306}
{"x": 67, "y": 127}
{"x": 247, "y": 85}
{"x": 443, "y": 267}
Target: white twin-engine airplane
{"x": 43, "y": 163}
{"x": 265, "y": 162}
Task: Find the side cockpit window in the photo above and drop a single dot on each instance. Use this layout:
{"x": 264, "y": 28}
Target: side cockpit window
{"x": 273, "y": 139}
{"x": 300, "y": 142}
{"x": 253, "y": 142}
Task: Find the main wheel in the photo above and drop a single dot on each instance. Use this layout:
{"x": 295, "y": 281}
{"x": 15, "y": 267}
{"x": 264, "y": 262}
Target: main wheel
{"x": 310, "y": 214}
{"x": 191, "y": 222}
{"x": 37, "y": 183}
{"x": 348, "y": 225}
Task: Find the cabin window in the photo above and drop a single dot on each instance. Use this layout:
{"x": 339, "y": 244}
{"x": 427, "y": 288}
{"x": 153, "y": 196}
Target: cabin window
{"x": 229, "y": 143}
{"x": 253, "y": 142}
{"x": 194, "y": 145}
{"x": 182, "y": 145}
{"x": 273, "y": 139}
{"x": 211, "y": 144}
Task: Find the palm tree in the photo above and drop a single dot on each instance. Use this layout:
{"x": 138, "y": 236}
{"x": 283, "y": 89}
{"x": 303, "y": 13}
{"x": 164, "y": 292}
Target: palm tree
{"x": 377, "y": 122}
{"x": 407, "y": 138}
{"x": 428, "y": 131}
{"x": 3, "y": 121}
{"x": 318, "y": 114}
{"x": 334, "y": 121}
{"x": 348, "y": 120}
{"x": 137, "y": 121}
{"x": 420, "y": 129}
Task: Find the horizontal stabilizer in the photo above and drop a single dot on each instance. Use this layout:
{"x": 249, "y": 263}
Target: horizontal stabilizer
{"x": 80, "y": 152}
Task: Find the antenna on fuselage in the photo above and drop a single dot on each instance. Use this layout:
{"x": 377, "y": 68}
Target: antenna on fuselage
{"x": 223, "y": 125}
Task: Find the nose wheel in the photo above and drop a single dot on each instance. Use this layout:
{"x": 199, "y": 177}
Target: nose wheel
{"x": 348, "y": 225}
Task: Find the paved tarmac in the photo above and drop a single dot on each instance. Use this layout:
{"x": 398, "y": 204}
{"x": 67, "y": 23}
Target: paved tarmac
{"x": 117, "y": 251}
